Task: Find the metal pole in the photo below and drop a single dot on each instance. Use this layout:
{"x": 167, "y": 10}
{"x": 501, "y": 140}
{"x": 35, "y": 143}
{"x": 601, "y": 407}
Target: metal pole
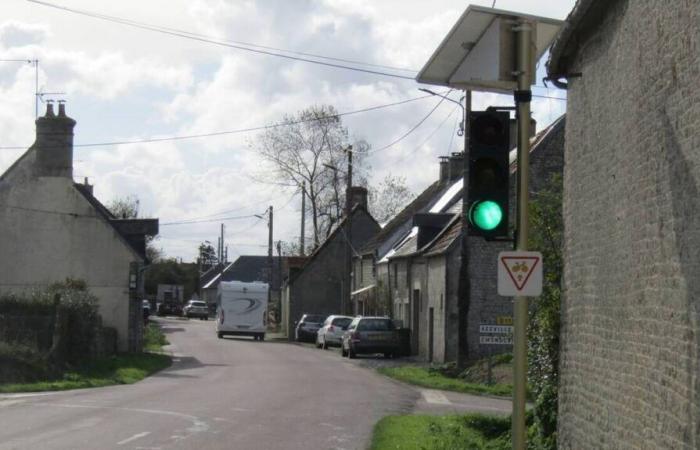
{"x": 522, "y": 99}
{"x": 348, "y": 241}
{"x": 269, "y": 258}
{"x": 303, "y": 218}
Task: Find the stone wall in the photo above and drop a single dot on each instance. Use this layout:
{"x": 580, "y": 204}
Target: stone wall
{"x": 319, "y": 287}
{"x": 631, "y": 326}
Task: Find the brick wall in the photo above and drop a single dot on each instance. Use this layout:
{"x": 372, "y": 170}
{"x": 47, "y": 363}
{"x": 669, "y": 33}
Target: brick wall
{"x": 631, "y": 331}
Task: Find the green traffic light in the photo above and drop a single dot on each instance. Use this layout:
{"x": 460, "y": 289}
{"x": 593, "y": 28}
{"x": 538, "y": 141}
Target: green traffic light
{"x": 486, "y": 215}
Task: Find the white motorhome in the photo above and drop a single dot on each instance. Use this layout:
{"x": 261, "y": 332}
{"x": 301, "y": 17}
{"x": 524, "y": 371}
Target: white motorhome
{"x": 241, "y": 309}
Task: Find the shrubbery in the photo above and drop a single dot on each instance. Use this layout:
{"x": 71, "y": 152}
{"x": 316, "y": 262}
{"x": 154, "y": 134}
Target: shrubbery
{"x": 46, "y": 330}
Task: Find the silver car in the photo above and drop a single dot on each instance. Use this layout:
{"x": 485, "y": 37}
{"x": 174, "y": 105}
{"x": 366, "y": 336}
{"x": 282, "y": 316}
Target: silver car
{"x": 331, "y": 333}
{"x": 196, "y": 308}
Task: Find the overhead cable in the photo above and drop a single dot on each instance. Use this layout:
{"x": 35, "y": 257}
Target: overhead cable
{"x": 193, "y": 37}
{"x": 223, "y": 133}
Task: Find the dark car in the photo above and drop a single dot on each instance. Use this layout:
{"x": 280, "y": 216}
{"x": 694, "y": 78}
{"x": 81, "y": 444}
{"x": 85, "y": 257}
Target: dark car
{"x": 169, "y": 309}
{"x": 308, "y": 327}
{"x": 369, "y": 335}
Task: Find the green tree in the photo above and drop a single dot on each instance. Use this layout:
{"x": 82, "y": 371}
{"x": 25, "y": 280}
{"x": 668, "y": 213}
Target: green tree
{"x": 128, "y": 208}
{"x": 547, "y": 227}
{"x": 171, "y": 271}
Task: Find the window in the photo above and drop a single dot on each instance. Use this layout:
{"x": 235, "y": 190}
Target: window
{"x": 441, "y": 301}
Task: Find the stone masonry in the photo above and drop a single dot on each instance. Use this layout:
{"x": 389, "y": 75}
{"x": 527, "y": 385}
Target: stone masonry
{"x": 631, "y": 326}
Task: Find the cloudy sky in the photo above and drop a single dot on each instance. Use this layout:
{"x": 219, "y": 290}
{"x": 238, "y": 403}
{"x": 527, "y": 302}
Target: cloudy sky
{"x": 129, "y": 84}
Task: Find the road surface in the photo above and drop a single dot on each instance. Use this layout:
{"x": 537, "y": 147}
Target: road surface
{"x": 220, "y": 394}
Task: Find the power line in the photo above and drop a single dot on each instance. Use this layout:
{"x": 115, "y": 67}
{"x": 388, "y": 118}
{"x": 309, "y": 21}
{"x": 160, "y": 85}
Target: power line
{"x": 414, "y": 128}
{"x": 185, "y": 35}
{"x": 220, "y": 219}
{"x": 238, "y": 131}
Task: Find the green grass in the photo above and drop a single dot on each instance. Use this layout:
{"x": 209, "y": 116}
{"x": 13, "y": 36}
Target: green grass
{"x": 432, "y": 379}
{"x": 120, "y": 369}
{"x": 451, "y": 432}
{"x": 153, "y": 338}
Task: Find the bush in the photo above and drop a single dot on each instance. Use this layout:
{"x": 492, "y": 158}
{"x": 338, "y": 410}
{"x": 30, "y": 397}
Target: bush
{"x": 60, "y": 322}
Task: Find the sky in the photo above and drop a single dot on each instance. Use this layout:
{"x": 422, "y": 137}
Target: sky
{"x": 131, "y": 84}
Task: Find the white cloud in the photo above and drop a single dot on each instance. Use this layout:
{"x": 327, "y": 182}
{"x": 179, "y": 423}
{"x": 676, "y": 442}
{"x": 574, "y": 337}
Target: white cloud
{"x": 124, "y": 83}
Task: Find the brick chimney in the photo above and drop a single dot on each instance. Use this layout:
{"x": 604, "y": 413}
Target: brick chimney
{"x": 456, "y": 166}
{"x": 358, "y": 196}
{"x": 444, "y": 169}
{"x": 88, "y": 186}
{"x": 54, "y": 143}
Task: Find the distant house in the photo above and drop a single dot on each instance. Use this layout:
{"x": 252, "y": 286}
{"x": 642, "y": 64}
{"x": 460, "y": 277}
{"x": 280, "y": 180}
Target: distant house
{"x": 53, "y": 229}
{"x": 170, "y": 293}
{"x": 411, "y": 268}
{"x": 323, "y": 284}
{"x": 246, "y": 268}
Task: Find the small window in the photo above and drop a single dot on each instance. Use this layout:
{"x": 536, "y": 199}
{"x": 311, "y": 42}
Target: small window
{"x": 440, "y": 301}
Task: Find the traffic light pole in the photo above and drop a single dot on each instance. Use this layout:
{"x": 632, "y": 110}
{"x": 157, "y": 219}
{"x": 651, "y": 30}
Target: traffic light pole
{"x": 523, "y": 96}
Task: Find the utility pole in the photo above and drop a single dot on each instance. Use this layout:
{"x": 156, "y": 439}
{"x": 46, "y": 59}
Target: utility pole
{"x": 303, "y": 219}
{"x": 464, "y": 288}
{"x": 523, "y": 96}
{"x": 269, "y": 255}
{"x": 348, "y": 238}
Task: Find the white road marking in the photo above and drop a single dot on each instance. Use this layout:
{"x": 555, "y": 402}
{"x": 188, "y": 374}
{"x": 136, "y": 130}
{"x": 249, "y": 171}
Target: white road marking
{"x": 134, "y": 437}
{"x": 435, "y": 397}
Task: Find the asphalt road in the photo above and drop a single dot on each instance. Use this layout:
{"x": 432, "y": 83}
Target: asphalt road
{"x": 219, "y": 394}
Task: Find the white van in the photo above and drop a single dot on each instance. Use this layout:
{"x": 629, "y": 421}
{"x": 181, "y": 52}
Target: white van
{"x": 241, "y": 309}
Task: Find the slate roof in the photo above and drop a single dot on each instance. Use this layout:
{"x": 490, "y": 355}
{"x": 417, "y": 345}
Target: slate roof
{"x": 133, "y": 240}
{"x": 246, "y": 268}
{"x": 403, "y": 217}
{"x": 448, "y": 236}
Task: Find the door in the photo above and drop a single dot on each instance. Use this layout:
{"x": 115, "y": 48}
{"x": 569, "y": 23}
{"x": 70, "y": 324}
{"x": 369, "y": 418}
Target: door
{"x": 430, "y": 334}
{"x": 415, "y": 321}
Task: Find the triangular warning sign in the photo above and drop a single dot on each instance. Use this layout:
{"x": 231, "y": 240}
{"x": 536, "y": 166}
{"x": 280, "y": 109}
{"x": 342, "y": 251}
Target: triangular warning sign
{"x": 519, "y": 268}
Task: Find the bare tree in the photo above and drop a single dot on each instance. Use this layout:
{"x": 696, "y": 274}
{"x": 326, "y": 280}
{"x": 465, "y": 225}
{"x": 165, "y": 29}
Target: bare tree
{"x": 310, "y": 148}
{"x": 389, "y": 198}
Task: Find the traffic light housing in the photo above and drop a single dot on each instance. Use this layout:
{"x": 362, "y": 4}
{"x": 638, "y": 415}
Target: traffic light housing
{"x": 488, "y": 195}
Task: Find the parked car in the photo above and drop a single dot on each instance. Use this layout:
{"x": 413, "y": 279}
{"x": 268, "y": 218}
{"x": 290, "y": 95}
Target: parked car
{"x": 169, "y": 309}
{"x": 146, "y": 305}
{"x": 196, "y": 308}
{"x": 368, "y": 335}
{"x": 331, "y": 332}
{"x": 307, "y": 327}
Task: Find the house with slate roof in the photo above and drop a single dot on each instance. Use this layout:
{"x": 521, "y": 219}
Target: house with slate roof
{"x": 53, "y": 229}
{"x": 417, "y": 260}
{"x": 324, "y": 282}
{"x": 246, "y": 268}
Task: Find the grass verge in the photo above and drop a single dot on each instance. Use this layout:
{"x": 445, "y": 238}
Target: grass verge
{"x": 153, "y": 338}
{"x": 451, "y": 432}
{"x": 432, "y": 379}
{"x": 120, "y": 369}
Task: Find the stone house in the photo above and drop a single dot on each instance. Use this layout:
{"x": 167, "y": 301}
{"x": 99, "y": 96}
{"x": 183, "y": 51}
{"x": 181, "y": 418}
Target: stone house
{"x": 53, "y": 229}
{"x": 417, "y": 256}
{"x": 323, "y": 283}
{"x": 630, "y": 336}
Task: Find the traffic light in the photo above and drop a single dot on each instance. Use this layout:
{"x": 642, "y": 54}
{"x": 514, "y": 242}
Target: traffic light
{"x": 489, "y": 142}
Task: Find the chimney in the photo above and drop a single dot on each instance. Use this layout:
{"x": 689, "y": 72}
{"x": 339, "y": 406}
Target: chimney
{"x": 444, "y": 169}
{"x": 456, "y": 166}
{"x": 358, "y": 196}
{"x": 54, "y": 143}
{"x": 88, "y": 186}
{"x": 514, "y": 131}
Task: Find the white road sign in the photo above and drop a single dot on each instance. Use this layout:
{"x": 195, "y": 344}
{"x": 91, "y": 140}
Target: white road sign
{"x": 520, "y": 273}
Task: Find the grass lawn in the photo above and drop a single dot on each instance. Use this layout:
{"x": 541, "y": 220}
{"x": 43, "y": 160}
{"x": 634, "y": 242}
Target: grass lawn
{"x": 432, "y": 379}
{"x": 451, "y": 432}
{"x": 120, "y": 369}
